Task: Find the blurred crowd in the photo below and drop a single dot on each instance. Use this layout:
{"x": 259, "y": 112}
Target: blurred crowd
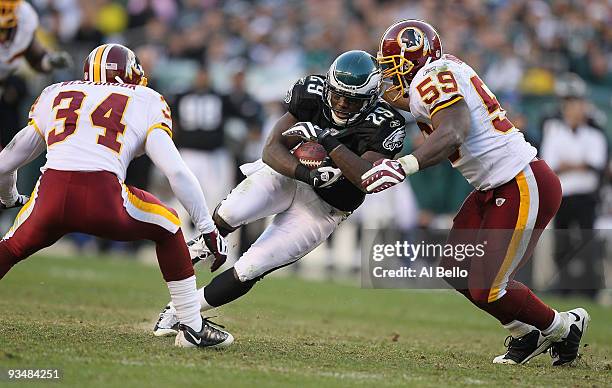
{"x": 224, "y": 66}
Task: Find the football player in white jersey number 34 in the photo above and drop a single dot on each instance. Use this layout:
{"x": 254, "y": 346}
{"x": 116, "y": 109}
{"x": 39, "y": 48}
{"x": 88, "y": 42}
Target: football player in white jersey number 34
{"x": 514, "y": 191}
{"x": 91, "y": 130}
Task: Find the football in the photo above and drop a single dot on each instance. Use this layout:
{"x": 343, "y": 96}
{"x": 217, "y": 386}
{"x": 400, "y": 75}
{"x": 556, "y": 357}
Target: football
{"x": 310, "y": 154}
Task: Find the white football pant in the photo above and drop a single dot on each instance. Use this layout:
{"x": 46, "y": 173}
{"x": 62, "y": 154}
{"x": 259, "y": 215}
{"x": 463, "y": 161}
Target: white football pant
{"x": 302, "y": 220}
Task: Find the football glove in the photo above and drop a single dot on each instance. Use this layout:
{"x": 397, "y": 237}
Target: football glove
{"x": 59, "y": 60}
{"x": 304, "y": 130}
{"x": 19, "y": 201}
{"x": 384, "y": 174}
{"x": 208, "y": 245}
{"x": 324, "y": 176}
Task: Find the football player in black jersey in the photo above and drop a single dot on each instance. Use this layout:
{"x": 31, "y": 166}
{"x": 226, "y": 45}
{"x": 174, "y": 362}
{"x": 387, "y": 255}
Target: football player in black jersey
{"x": 342, "y": 111}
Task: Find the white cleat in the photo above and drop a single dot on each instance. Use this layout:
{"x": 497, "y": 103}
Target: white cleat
{"x": 168, "y": 324}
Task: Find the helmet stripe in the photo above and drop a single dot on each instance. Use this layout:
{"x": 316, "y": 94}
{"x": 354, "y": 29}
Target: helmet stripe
{"x": 97, "y": 63}
{"x": 103, "y": 62}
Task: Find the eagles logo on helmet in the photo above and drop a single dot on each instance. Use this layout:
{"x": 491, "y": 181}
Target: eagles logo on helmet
{"x": 404, "y": 49}
{"x": 114, "y": 63}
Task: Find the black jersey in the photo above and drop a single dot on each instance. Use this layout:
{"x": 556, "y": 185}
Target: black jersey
{"x": 381, "y": 130}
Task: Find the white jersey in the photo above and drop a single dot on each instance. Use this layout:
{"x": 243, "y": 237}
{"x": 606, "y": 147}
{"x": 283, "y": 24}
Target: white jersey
{"x": 12, "y": 51}
{"x": 494, "y": 151}
{"x": 91, "y": 126}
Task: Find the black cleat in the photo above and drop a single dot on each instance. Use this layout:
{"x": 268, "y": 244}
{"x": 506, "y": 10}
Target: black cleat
{"x": 211, "y": 336}
{"x": 566, "y": 350}
{"x": 523, "y": 349}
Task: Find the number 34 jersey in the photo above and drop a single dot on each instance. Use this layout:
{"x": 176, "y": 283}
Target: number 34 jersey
{"x": 494, "y": 151}
{"x": 91, "y": 126}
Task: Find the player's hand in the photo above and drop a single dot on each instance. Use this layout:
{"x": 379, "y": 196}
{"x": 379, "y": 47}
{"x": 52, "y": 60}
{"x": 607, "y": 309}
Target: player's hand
{"x": 384, "y": 174}
{"x": 324, "y": 176}
{"x": 60, "y": 60}
{"x": 208, "y": 245}
{"x": 19, "y": 201}
{"x": 304, "y": 130}
{"x": 217, "y": 246}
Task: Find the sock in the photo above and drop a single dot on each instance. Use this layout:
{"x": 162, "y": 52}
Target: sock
{"x": 185, "y": 300}
{"x": 204, "y": 306}
{"x": 225, "y": 288}
{"x": 518, "y": 329}
{"x": 555, "y": 325}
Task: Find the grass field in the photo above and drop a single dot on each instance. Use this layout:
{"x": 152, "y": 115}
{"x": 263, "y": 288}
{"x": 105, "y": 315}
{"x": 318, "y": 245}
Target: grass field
{"x": 92, "y": 317}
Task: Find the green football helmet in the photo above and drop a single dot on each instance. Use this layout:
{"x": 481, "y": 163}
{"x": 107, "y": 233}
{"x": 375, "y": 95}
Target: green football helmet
{"x": 352, "y": 86}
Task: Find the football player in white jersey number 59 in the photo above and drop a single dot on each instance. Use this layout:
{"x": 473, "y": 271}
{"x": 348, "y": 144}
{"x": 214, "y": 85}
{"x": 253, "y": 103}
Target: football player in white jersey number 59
{"x": 91, "y": 130}
{"x": 514, "y": 191}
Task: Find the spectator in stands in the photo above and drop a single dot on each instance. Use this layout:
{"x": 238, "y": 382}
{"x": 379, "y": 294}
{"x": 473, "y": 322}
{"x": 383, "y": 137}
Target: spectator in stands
{"x": 578, "y": 152}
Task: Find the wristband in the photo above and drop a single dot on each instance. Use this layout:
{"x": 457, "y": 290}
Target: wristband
{"x": 409, "y": 163}
{"x": 302, "y": 173}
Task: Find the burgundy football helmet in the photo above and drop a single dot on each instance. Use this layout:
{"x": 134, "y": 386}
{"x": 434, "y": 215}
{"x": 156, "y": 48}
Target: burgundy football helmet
{"x": 405, "y": 48}
{"x": 113, "y": 63}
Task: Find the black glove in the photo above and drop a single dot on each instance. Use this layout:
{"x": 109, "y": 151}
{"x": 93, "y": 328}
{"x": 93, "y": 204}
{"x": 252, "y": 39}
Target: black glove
{"x": 59, "y": 60}
{"x": 319, "y": 177}
{"x": 19, "y": 201}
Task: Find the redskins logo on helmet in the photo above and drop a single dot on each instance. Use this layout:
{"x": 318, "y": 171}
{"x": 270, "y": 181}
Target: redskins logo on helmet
{"x": 113, "y": 63}
{"x": 404, "y": 49}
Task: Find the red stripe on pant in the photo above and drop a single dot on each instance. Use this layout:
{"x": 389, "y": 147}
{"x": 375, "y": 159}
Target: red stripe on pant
{"x": 91, "y": 202}
{"x": 481, "y": 219}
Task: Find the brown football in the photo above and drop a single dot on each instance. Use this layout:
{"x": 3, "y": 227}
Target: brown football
{"x": 310, "y": 154}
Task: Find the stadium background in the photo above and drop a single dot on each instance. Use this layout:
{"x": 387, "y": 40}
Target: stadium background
{"x": 522, "y": 49}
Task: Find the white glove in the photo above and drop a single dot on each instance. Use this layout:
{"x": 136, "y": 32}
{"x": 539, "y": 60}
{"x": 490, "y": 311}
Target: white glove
{"x": 386, "y": 173}
{"x": 208, "y": 246}
{"x": 304, "y": 130}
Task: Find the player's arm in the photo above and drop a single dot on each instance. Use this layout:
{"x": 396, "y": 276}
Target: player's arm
{"x": 26, "y": 146}
{"x": 163, "y": 153}
{"x": 451, "y": 126}
{"x": 352, "y": 165}
{"x": 276, "y": 152}
{"x": 45, "y": 61}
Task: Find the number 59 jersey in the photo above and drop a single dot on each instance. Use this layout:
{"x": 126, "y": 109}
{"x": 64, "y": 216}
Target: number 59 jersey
{"x": 91, "y": 126}
{"x": 494, "y": 151}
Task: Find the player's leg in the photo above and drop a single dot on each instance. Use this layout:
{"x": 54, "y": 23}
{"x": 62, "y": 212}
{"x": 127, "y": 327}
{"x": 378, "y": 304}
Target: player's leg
{"x": 263, "y": 193}
{"x": 37, "y": 225}
{"x": 291, "y": 235}
{"x": 127, "y": 213}
{"x": 512, "y": 230}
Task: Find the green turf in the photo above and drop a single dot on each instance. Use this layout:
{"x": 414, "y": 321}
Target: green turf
{"x": 92, "y": 317}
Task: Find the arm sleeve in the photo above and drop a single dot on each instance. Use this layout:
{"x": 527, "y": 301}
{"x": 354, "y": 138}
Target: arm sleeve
{"x": 160, "y": 148}
{"x": 25, "y": 147}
